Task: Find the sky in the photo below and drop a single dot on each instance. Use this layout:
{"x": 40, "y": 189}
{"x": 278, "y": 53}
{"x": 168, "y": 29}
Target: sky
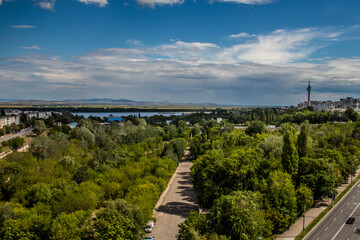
{"x": 237, "y": 52}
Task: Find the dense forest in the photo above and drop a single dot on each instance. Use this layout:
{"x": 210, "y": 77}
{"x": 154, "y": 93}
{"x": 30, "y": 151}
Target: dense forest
{"x": 256, "y": 182}
{"x": 102, "y": 181}
{"x": 92, "y": 181}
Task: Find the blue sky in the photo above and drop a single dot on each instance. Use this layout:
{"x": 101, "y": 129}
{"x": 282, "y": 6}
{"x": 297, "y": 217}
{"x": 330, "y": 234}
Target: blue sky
{"x": 228, "y": 52}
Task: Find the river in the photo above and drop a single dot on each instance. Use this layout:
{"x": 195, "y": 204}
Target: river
{"x": 125, "y": 114}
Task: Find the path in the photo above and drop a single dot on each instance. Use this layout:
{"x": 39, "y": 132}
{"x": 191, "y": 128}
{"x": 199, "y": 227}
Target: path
{"x": 176, "y": 203}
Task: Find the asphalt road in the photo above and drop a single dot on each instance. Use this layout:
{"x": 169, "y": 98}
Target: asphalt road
{"x": 19, "y": 134}
{"x": 333, "y": 226}
{"x": 177, "y": 203}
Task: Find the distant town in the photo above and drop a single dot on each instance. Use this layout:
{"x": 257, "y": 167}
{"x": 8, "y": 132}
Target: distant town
{"x": 329, "y": 105}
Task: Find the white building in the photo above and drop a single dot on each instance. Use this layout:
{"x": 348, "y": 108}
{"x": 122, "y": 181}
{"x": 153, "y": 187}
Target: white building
{"x": 8, "y": 120}
{"x": 331, "y": 105}
{"x": 38, "y": 115}
{"x": 11, "y": 112}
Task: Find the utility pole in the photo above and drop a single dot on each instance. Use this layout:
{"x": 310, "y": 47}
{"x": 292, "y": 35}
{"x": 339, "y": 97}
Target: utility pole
{"x": 303, "y": 235}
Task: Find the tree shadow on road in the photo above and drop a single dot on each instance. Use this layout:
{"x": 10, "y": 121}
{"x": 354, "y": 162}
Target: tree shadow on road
{"x": 178, "y": 208}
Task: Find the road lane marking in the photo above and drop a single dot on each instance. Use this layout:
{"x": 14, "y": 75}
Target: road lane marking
{"x": 317, "y": 239}
{"x": 342, "y": 226}
{"x": 341, "y": 210}
{"x": 326, "y": 228}
{"x": 334, "y": 219}
{"x": 354, "y": 229}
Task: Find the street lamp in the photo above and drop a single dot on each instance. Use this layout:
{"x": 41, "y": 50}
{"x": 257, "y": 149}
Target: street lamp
{"x": 304, "y": 217}
{"x": 352, "y": 170}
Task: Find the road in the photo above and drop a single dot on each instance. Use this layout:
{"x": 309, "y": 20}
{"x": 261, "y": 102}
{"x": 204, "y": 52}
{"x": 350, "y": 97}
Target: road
{"x": 333, "y": 226}
{"x": 19, "y": 134}
{"x": 175, "y": 206}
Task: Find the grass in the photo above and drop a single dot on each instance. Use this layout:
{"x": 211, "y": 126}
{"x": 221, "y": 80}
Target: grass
{"x": 323, "y": 213}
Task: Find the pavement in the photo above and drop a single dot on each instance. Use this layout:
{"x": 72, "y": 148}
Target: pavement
{"x": 296, "y": 228}
{"x": 19, "y": 134}
{"x": 176, "y": 202}
{"x": 333, "y": 226}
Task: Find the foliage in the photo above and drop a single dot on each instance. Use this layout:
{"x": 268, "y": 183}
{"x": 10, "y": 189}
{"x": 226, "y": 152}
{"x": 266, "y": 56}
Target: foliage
{"x": 256, "y": 127}
{"x": 302, "y": 141}
{"x": 65, "y": 178}
{"x": 39, "y": 127}
{"x": 290, "y": 157}
{"x": 14, "y": 143}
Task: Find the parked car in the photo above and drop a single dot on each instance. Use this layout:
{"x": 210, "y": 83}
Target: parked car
{"x": 149, "y": 237}
{"x": 149, "y": 226}
{"x": 350, "y": 220}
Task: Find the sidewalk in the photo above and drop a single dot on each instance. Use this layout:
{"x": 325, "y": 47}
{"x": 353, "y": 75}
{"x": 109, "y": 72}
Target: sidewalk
{"x": 296, "y": 228}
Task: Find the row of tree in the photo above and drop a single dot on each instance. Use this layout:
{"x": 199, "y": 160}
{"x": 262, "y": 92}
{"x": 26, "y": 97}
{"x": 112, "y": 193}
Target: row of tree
{"x": 256, "y": 182}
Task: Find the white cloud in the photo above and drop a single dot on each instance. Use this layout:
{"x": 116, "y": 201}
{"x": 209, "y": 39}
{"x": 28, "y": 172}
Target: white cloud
{"x": 23, "y": 26}
{"x": 1, "y": 2}
{"x": 280, "y": 46}
{"x": 241, "y": 35}
{"x": 101, "y": 3}
{"x": 32, "y": 47}
{"x": 152, "y": 3}
{"x": 193, "y": 51}
{"x": 261, "y": 71}
{"x": 46, "y": 4}
{"x": 250, "y": 2}
{"x": 134, "y": 42}
{"x": 113, "y": 73}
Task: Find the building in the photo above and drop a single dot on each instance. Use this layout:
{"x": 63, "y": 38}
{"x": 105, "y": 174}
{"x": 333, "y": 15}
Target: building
{"x": 8, "y": 120}
{"x": 12, "y": 112}
{"x": 330, "y": 105}
{"x": 37, "y": 115}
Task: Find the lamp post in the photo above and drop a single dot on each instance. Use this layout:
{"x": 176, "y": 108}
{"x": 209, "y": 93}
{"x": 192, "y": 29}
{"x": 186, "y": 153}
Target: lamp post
{"x": 303, "y": 235}
{"x": 352, "y": 171}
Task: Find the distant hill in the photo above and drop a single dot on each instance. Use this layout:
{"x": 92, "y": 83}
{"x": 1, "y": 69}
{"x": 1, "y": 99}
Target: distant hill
{"x": 102, "y": 101}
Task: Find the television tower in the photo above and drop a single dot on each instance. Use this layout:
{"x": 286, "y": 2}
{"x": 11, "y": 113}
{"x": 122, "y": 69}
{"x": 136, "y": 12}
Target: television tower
{"x": 308, "y": 90}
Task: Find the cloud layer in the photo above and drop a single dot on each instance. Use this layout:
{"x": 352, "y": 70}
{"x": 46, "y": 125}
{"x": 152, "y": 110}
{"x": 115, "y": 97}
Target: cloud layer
{"x": 50, "y": 4}
{"x": 265, "y": 70}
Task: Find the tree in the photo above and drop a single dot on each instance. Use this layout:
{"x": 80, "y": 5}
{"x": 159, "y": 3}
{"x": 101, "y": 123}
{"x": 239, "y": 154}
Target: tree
{"x": 302, "y": 140}
{"x": 195, "y": 129}
{"x": 304, "y": 196}
{"x": 14, "y": 143}
{"x": 281, "y": 198}
{"x": 82, "y": 174}
{"x": 255, "y": 128}
{"x": 351, "y": 114}
{"x": 290, "y": 157}
{"x": 82, "y": 133}
{"x": 39, "y": 127}
{"x": 318, "y": 175}
{"x": 272, "y": 144}
{"x": 237, "y": 213}
{"x": 70, "y": 226}
{"x": 44, "y": 147}
{"x": 119, "y": 220}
